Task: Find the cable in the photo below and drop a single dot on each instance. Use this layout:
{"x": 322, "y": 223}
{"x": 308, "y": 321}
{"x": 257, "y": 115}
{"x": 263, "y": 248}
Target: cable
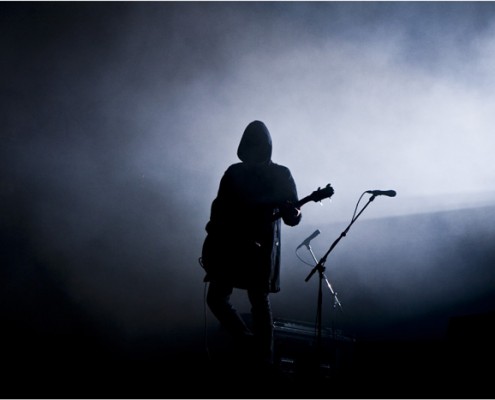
{"x": 300, "y": 259}
{"x": 355, "y": 209}
{"x": 206, "y": 325}
{"x": 205, "y": 313}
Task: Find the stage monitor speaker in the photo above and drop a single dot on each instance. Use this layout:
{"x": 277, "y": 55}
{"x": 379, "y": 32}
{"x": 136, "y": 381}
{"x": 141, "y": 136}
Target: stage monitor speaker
{"x": 296, "y": 343}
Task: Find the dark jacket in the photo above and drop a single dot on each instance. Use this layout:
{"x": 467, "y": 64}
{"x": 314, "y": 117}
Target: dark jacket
{"x": 243, "y": 235}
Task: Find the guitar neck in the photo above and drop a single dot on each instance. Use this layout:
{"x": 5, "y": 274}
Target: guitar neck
{"x": 303, "y": 201}
{"x": 317, "y": 195}
{"x": 298, "y": 204}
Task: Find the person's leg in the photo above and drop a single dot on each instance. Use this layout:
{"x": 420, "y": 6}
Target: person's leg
{"x": 262, "y": 324}
{"x": 218, "y": 300}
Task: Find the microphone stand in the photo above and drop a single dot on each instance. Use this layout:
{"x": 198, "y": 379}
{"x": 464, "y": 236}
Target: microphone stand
{"x": 321, "y": 269}
{"x": 336, "y": 301}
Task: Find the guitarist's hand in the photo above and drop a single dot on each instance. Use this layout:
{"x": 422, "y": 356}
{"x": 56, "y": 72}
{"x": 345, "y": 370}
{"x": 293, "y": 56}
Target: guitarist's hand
{"x": 291, "y": 215}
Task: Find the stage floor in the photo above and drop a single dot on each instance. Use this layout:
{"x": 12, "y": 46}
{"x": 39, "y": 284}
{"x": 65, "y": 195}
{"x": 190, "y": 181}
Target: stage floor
{"x": 339, "y": 367}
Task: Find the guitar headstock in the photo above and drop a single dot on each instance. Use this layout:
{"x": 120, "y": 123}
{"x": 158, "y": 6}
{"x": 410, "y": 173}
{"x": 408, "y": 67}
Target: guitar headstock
{"x": 321, "y": 194}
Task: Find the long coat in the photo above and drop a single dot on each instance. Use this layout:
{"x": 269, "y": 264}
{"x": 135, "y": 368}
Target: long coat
{"x": 243, "y": 243}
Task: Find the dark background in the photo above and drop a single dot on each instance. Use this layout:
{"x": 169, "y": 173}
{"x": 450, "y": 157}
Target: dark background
{"x": 117, "y": 122}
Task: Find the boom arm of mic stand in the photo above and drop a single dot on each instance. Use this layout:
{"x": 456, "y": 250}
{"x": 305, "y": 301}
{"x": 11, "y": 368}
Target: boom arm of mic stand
{"x": 319, "y": 265}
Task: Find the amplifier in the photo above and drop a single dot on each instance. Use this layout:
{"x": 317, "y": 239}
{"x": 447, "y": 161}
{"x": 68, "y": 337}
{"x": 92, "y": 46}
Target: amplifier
{"x": 297, "y": 347}
{"x": 306, "y": 331}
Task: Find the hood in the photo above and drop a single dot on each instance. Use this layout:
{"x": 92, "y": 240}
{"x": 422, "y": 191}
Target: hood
{"x": 256, "y": 144}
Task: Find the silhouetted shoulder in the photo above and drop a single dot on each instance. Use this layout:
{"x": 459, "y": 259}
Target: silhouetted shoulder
{"x": 282, "y": 169}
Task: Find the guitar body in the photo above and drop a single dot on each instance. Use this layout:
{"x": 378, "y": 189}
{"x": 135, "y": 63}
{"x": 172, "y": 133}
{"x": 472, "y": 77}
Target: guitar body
{"x": 231, "y": 259}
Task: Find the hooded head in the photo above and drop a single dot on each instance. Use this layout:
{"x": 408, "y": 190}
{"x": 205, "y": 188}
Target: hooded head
{"x": 256, "y": 144}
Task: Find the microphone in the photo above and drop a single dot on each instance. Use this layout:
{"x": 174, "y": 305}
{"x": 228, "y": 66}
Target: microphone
{"x": 389, "y": 193}
{"x": 309, "y": 239}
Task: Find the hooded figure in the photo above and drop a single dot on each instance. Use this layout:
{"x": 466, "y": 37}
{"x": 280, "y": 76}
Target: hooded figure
{"x": 242, "y": 247}
{"x": 246, "y": 252}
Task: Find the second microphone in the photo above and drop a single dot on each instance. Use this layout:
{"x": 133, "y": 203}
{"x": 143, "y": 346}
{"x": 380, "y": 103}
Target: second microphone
{"x": 309, "y": 239}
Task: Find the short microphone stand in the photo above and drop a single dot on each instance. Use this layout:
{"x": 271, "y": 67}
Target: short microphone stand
{"x": 336, "y": 302}
{"x": 320, "y": 268}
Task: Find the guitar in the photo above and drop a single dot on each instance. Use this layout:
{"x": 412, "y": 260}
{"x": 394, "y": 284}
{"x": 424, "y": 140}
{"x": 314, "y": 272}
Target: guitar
{"x": 211, "y": 245}
{"x": 318, "y": 195}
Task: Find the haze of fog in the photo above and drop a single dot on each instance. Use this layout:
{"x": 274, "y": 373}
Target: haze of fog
{"x": 120, "y": 119}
